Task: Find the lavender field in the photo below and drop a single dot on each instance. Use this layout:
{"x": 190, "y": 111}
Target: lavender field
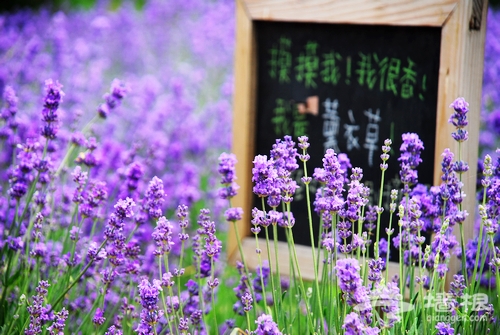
{"x": 116, "y": 182}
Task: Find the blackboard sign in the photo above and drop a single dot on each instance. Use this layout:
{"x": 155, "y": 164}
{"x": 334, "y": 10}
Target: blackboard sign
{"x": 371, "y": 84}
{"x": 360, "y": 72}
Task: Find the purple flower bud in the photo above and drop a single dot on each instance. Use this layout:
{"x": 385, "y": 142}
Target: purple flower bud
{"x": 233, "y": 214}
{"x": 266, "y": 326}
{"x": 444, "y": 329}
{"x": 98, "y": 318}
{"x": 112, "y": 99}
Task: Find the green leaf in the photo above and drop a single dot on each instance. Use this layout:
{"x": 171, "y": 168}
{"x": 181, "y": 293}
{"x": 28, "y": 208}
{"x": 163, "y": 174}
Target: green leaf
{"x": 12, "y": 279}
{"x": 413, "y": 329}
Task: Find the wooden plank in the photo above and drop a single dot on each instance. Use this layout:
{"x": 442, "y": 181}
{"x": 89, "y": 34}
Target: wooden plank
{"x": 461, "y": 69}
{"x": 387, "y": 12}
{"x": 304, "y": 258}
{"x": 243, "y": 121}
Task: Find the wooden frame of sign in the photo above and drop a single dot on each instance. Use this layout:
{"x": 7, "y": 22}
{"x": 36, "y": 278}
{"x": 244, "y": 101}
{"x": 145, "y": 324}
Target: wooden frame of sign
{"x": 462, "y": 24}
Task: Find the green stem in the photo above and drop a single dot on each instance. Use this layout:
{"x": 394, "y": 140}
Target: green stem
{"x": 276, "y": 295}
{"x": 213, "y": 294}
{"x": 401, "y": 277}
{"x": 462, "y": 239}
{"x": 379, "y": 214}
{"x": 388, "y": 250}
{"x": 247, "y": 273}
{"x": 170, "y": 291}
{"x": 261, "y": 271}
{"x": 61, "y": 296}
{"x": 301, "y": 282}
{"x": 313, "y": 249}
{"x": 163, "y": 295}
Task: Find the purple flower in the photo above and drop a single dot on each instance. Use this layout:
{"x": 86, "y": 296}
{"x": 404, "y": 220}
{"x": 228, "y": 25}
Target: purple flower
{"x": 99, "y": 318}
{"x": 233, "y": 214}
{"x": 329, "y": 244}
{"x": 134, "y": 173}
{"x": 52, "y": 100}
{"x": 93, "y": 254}
{"x": 241, "y": 289}
{"x": 123, "y": 208}
{"x": 459, "y": 120}
{"x": 303, "y": 142}
{"x": 247, "y": 301}
{"x": 162, "y": 235}
{"x": 264, "y": 176}
{"x": 36, "y": 309}
{"x": 113, "y": 331}
{"x": 155, "y": 196}
{"x": 457, "y": 286}
{"x": 96, "y": 195}
{"x": 389, "y": 298}
{"x": 191, "y": 303}
{"x": 15, "y": 243}
{"x": 444, "y": 329}
{"x": 21, "y": 176}
{"x": 228, "y": 175}
{"x": 376, "y": 266}
{"x": 150, "y": 314}
{"x": 386, "y": 148}
{"x": 9, "y": 96}
{"x": 287, "y": 221}
{"x": 57, "y": 328}
{"x": 352, "y": 324}
{"x": 226, "y": 169}
{"x": 329, "y": 198}
{"x": 115, "y": 224}
{"x": 79, "y": 177}
{"x": 284, "y": 155}
{"x": 347, "y": 271}
{"x": 166, "y": 279}
{"x": 266, "y": 326}
{"x": 204, "y": 255}
{"x": 112, "y": 99}
{"x": 409, "y": 160}
{"x": 182, "y": 215}
{"x": 183, "y": 324}
{"x": 345, "y": 164}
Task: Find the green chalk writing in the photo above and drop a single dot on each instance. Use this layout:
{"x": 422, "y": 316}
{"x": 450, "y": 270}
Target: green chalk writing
{"x": 314, "y": 63}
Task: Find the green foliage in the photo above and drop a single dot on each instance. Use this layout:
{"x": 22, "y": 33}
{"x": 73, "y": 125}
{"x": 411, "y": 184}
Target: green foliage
{"x": 55, "y": 5}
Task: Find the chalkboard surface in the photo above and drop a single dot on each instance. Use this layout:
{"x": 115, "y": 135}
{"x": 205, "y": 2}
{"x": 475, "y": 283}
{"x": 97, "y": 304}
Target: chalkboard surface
{"x": 372, "y": 82}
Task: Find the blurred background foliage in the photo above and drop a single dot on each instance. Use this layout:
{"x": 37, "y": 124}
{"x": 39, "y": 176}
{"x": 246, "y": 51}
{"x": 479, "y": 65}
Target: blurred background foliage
{"x": 13, "y": 5}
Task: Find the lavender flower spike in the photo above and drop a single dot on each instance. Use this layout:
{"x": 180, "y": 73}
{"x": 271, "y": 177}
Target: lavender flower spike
{"x": 459, "y": 119}
{"x": 36, "y": 309}
{"x": 227, "y": 171}
{"x": 155, "y": 196}
{"x": 112, "y": 99}
{"x": 150, "y": 314}
{"x": 347, "y": 271}
{"x": 226, "y": 168}
{"x": 57, "y": 327}
{"x": 266, "y": 326}
{"x": 50, "y": 117}
{"x": 444, "y": 329}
